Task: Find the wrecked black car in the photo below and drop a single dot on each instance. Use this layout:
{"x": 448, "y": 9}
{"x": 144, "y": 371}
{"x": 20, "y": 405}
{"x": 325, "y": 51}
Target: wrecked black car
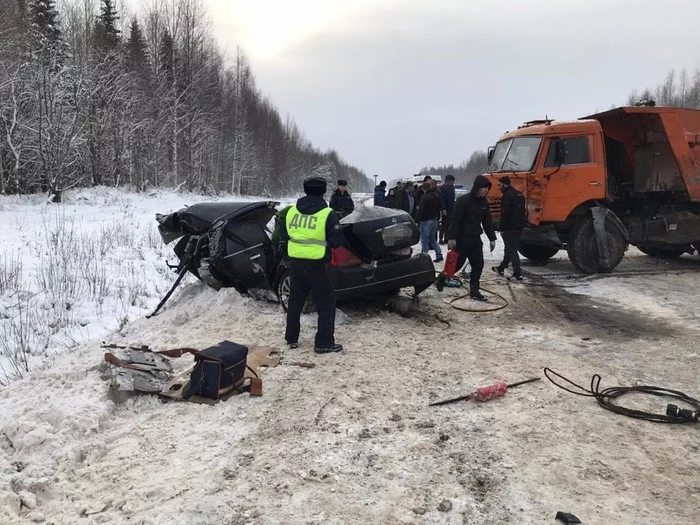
{"x": 235, "y": 244}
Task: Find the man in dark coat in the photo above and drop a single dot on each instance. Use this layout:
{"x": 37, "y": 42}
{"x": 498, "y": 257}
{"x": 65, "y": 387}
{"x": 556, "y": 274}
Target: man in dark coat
{"x": 341, "y": 201}
{"x": 429, "y": 212}
{"x": 392, "y": 198}
{"x": 470, "y": 215}
{"x": 407, "y": 201}
{"x": 447, "y": 193}
{"x": 418, "y": 194}
{"x": 380, "y": 194}
{"x": 513, "y": 220}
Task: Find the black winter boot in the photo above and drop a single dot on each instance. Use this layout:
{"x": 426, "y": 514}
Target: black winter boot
{"x": 477, "y": 295}
{"x": 328, "y": 349}
{"x": 440, "y": 282}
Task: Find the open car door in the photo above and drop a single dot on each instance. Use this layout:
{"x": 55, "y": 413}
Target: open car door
{"x": 241, "y": 254}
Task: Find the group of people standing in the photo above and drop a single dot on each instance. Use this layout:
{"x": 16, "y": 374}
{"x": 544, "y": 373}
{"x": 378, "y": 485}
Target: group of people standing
{"x": 459, "y": 223}
{"x": 310, "y": 230}
{"x": 430, "y": 206}
{"x": 472, "y": 216}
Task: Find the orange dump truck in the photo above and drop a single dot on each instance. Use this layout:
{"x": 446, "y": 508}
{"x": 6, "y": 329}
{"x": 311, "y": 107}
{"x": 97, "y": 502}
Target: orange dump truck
{"x": 594, "y": 186}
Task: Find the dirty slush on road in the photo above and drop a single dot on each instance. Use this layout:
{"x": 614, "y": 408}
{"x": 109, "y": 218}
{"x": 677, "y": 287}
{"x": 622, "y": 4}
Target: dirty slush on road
{"x": 353, "y": 440}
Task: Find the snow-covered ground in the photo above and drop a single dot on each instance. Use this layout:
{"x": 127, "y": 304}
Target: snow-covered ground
{"x": 78, "y": 270}
{"x": 351, "y": 440}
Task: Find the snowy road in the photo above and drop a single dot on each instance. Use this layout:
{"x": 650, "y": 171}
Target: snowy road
{"x": 353, "y": 440}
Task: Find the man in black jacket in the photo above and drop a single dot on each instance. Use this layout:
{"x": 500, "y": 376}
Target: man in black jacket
{"x": 380, "y": 194}
{"x": 447, "y": 193}
{"x": 418, "y": 194}
{"x": 406, "y": 199}
{"x": 470, "y": 214}
{"x": 393, "y": 195}
{"x": 429, "y": 212}
{"x": 341, "y": 201}
{"x": 513, "y": 220}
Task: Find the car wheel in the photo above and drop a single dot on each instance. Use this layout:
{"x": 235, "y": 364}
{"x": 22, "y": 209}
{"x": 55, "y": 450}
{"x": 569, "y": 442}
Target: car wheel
{"x": 421, "y": 288}
{"x": 284, "y": 288}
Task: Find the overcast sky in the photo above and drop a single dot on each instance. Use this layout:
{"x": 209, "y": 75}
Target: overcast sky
{"x": 397, "y": 85}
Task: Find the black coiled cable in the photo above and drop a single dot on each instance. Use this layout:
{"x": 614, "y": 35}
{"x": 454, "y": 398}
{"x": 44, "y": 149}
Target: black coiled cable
{"x": 607, "y": 396}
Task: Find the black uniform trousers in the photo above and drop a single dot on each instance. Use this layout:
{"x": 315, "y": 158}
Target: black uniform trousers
{"x": 310, "y": 276}
{"x": 473, "y": 249}
{"x": 444, "y": 225}
{"x": 511, "y": 238}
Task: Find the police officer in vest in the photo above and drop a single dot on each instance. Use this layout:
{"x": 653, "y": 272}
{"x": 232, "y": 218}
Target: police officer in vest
{"x": 308, "y": 233}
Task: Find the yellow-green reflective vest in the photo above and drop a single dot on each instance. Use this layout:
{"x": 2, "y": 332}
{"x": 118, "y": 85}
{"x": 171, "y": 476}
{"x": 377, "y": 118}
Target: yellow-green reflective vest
{"x": 307, "y": 234}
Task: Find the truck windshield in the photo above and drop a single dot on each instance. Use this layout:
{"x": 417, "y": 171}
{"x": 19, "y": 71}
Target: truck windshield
{"x": 516, "y": 154}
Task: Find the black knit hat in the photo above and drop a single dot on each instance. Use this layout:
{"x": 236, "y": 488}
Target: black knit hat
{"x": 315, "y": 186}
{"x": 504, "y": 180}
{"x": 342, "y": 182}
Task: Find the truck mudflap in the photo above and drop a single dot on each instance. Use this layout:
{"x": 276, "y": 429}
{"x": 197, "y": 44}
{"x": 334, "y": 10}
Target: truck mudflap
{"x": 602, "y": 216}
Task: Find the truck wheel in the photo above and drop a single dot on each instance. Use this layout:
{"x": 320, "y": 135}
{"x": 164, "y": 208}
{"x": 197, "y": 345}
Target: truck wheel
{"x": 537, "y": 252}
{"x": 582, "y": 247}
{"x": 663, "y": 252}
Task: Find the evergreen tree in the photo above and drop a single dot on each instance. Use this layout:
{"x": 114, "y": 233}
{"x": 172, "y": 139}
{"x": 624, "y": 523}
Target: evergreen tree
{"x": 20, "y": 14}
{"x": 136, "y": 48}
{"x": 13, "y": 22}
{"x": 167, "y": 56}
{"x": 106, "y": 32}
{"x": 45, "y": 25}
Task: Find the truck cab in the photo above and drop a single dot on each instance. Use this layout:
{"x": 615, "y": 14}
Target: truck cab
{"x": 598, "y": 184}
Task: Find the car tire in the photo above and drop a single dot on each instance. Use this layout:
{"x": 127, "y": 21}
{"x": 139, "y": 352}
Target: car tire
{"x": 418, "y": 289}
{"x": 284, "y": 286}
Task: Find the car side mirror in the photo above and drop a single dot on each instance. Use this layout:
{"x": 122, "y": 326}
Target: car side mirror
{"x": 559, "y": 152}
{"x": 489, "y": 154}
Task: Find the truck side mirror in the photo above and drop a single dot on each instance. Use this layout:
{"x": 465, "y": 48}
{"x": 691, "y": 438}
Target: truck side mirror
{"x": 489, "y": 154}
{"x": 559, "y": 151}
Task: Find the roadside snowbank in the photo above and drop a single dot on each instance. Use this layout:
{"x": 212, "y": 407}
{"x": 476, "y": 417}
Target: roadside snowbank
{"x": 75, "y": 271}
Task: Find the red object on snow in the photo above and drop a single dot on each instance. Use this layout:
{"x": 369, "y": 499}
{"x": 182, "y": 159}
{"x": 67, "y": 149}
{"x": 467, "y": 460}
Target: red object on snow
{"x": 342, "y": 258}
{"x": 485, "y": 393}
{"x": 451, "y": 264}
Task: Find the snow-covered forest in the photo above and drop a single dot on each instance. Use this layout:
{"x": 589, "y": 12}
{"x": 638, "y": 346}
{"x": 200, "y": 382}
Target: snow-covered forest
{"x": 88, "y": 98}
{"x": 678, "y": 89}
{"x": 465, "y": 172}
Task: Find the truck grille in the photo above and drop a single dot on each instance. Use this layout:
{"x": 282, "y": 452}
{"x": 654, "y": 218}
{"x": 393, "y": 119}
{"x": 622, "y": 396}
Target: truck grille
{"x": 495, "y": 207}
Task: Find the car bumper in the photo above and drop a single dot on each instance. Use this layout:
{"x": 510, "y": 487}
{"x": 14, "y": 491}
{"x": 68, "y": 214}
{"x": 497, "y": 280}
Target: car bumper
{"x": 358, "y": 281}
